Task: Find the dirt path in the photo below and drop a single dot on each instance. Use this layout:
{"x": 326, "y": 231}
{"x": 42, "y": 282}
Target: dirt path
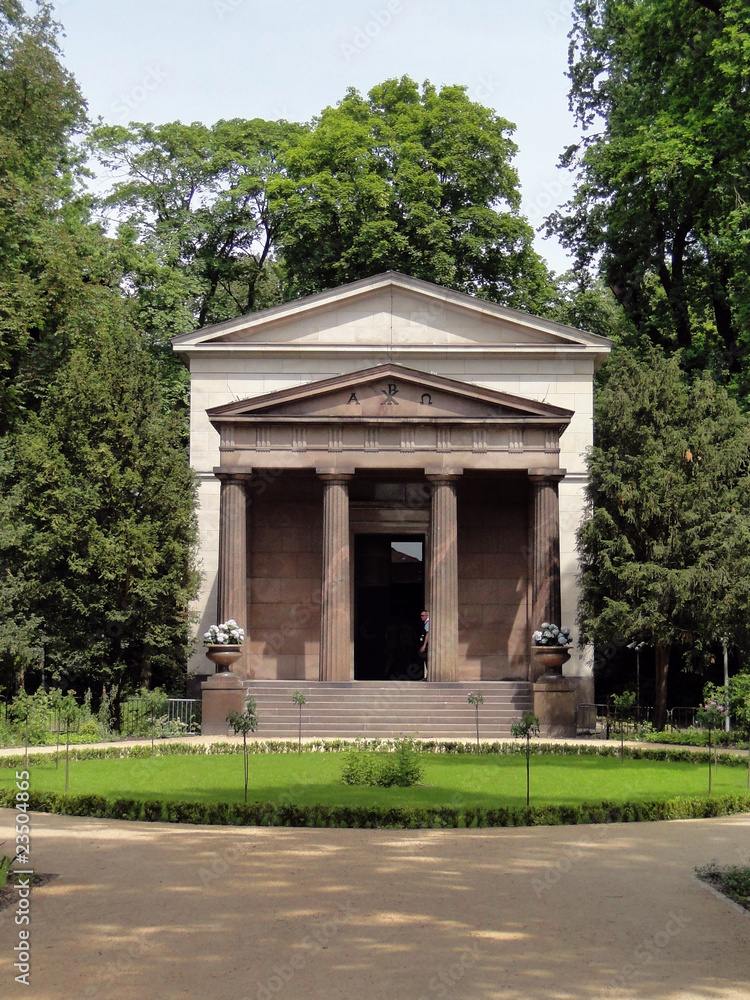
{"x": 155, "y": 912}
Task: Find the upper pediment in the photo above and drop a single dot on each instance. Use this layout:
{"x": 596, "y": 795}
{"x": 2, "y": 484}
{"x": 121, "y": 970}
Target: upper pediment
{"x": 390, "y": 392}
{"x": 390, "y": 312}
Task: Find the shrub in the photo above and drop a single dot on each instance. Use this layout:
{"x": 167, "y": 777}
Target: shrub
{"x": 89, "y": 728}
{"x": 360, "y": 767}
{"x": 364, "y": 767}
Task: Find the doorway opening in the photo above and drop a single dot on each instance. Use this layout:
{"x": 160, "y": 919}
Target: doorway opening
{"x": 389, "y": 598}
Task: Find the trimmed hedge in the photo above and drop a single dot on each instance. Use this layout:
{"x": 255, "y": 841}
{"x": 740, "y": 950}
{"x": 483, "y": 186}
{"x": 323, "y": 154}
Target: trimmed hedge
{"x": 122, "y": 752}
{"x": 377, "y": 817}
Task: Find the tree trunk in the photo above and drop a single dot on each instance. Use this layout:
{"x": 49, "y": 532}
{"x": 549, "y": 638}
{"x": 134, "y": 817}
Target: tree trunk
{"x": 660, "y": 686}
{"x": 678, "y": 299}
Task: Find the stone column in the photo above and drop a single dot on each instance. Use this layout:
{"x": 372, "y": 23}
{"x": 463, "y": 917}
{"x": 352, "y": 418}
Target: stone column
{"x": 442, "y": 661}
{"x": 545, "y": 545}
{"x": 232, "y": 591}
{"x": 224, "y": 693}
{"x": 335, "y": 630}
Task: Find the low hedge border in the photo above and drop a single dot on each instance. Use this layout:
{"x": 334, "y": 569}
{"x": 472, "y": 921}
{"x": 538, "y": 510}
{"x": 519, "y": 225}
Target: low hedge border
{"x": 377, "y": 817}
{"x": 118, "y": 751}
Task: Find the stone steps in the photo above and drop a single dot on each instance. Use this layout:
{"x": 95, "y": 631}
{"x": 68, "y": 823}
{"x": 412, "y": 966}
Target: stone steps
{"x": 364, "y": 708}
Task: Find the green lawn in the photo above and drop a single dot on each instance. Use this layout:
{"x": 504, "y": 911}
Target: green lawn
{"x": 314, "y": 778}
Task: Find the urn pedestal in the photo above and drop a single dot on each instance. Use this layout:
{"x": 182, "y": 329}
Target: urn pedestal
{"x": 222, "y": 693}
{"x": 554, "y": 695}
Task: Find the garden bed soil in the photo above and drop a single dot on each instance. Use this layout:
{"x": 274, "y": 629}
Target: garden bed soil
{"x": 8, "y": 894}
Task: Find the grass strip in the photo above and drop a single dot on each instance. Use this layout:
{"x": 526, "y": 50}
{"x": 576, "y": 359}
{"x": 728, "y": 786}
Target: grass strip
{"x": 378, "y": 817}
{"x": 120, "y": 752}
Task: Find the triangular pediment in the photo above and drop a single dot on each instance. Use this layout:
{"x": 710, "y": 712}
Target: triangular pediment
{"x": 390, "y": 392}
{"x": 390, "y": 311}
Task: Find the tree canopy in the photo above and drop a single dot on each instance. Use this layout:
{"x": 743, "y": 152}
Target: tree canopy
{"x": 216, "y": 222}
{"x": 665, "y": 547}
{"x": 56, "y": 272}
{"x": 198, "y": 231}
{"x": 662, "y": 91}
{"x": 416, "y": 181}
{"x": 103, "y": 506}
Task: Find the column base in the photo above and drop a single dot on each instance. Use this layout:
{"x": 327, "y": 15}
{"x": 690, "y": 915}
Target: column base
{"x": 220, "y": 695}
{"x": 555, "y": 705}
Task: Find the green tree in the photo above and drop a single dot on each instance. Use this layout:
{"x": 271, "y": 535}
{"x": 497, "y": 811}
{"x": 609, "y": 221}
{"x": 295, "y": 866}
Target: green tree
{"x": 244, "y": 722}
{"x": 524, "y": 728}
{"x": 56, "y": 271}
{"x": 660, "y": 88}
{"x": 665, "y": 544}
{"x": 105, "y": 499}
{"x": 416, "y": 181}
{"x": 20, "y": 629}
{"x": 198, "y": 231}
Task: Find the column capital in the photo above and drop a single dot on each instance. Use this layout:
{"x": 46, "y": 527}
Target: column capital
{"x": 335, "y": 475}
{"x": 444, "y": 475}
{"x": 228, "y": 475}
{"x": 546, "y": 475}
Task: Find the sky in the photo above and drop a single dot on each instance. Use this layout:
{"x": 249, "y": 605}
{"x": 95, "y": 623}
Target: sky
{"x": 204, "y": 60}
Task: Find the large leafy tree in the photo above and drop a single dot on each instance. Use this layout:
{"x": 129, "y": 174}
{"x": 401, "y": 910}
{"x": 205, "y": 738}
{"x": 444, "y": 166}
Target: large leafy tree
{"x": 661, "y": 89}
{"x": 103, "y": 501}
{"x": 414, "y": 180}
{"x": 665, "y": 547}
{"x": 197, "y": 230}
{"x": 56, "y": 273}
{"x": 219, "y": 221}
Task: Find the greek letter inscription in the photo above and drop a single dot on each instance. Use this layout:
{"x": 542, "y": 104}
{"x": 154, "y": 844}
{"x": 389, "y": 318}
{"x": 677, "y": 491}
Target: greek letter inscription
{"x": 352, "y": 399}
{"x": 390, "y": 393}
{"x": 426, "y": 399}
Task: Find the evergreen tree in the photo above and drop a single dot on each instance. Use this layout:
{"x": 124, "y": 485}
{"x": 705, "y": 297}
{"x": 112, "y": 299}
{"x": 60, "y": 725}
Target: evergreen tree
{"x": 105, "y": 503}
{"x": 665, "y": 547}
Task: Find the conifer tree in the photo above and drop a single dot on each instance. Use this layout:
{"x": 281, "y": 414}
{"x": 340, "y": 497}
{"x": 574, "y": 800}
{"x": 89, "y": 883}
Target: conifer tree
{"x": 665, "y": 548}
{"x": 105, "y": 501}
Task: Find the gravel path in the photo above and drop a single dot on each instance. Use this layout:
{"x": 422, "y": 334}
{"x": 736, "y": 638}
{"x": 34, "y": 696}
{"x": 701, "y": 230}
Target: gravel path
{"x": 156, "y": 912}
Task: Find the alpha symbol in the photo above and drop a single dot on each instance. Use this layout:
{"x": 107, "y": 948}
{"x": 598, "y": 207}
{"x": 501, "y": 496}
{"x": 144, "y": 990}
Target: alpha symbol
{"x": 389, "y": 394}
{"x": 352, "y": 399}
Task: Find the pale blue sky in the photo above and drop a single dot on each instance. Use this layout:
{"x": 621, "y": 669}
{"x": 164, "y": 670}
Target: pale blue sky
{"x": 202, "y": 60}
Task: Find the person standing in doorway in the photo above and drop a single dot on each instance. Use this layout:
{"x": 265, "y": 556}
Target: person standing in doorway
{"x": 424, "y": 640}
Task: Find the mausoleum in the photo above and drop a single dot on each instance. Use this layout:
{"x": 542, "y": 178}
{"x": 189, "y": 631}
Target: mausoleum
{"x": 388, "y": 446}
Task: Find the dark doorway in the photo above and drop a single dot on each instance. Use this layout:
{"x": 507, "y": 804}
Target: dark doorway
{"x": 389, "y": 597}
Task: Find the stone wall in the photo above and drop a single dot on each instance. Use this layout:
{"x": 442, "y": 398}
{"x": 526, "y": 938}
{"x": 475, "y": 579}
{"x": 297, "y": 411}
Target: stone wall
{"x": 493, "y": 636}
{"x": 285, "y": 544}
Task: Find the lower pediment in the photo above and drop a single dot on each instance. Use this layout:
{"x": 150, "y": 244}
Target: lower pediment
{"x": 389, "y": 416}
{"x": 392, "y": 393}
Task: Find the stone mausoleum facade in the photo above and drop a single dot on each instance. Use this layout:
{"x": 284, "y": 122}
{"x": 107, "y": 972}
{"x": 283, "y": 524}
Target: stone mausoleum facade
{"x": 380, "y": 448}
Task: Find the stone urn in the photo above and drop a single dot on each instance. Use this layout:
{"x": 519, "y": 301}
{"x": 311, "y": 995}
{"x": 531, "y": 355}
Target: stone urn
{"x": 223, "y": 656}
{"x": 551, "y": 658}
